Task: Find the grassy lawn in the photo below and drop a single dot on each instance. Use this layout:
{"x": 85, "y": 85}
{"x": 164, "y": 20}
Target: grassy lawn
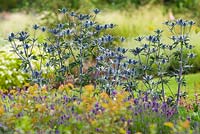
{"x": 193, "y": 85}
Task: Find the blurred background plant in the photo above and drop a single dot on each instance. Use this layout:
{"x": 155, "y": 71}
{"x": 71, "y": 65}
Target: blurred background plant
{"x": 178, "y": 5}
{"x": 10, "y": 75}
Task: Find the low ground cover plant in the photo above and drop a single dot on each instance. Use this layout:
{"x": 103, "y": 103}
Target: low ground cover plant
{"x": 81, "y": 81}
{"x": 37, "y": 110}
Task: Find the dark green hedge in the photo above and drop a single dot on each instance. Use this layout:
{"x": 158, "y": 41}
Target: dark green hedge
{"x": 178, "y": 5}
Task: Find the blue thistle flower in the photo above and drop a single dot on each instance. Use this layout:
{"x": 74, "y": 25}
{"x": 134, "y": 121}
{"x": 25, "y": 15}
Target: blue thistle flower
{"x": 130, "y": 61}
{"x": 163, "y": 46}
{"x": 100, "y": 58}
{"x": 150, "y": 38}
{"x": 98, "y": 27}
{"x": 54, "y": 31}
{"x": 180, "y": 22}
{"x": 60, "y": 25}
{"x": 26, "y": 46}
{"x": 96, "y": 11}
{"x": 35, "y": 27}
{"x": 43, "y": 29}
{"x": 148, "y": 77}
{"x": 47, "y": 64}
{"x": 106, "y": 26}
{"x": 145, "y": 46}
{"x": 163, "y": 61}
{"x": 136, "y": 51}
{"x": 63, "y": 10}
{"x": 11, "y": 37}
{"x": 23, "y": 36}
{"x": 139, "y": 39}
{"x": 72, "y": 14}
{"x": 182, "y": 38}
{"x": 191, "y": 55}
{"x": 191, "y": 23}
{"x": 45, "y": 44}
{"x": 122, "y": 39}
{"x": 158, "y": 31}
{"x": 111, "y": 25}
{"x": 190, "y": 46}
{"x": 109, "y": 38}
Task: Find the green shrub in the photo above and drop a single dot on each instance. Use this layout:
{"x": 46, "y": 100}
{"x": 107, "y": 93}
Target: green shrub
{"x": 10, "y": 75}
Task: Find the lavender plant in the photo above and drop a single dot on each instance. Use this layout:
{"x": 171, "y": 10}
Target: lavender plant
{"x": 145, "y": 105}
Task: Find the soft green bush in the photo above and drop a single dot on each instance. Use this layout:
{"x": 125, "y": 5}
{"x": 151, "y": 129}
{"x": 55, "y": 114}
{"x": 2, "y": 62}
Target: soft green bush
{"x": 10, "y": 75}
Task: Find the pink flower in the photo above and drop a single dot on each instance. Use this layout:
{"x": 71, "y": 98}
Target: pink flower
{"x": 171, "y": 16}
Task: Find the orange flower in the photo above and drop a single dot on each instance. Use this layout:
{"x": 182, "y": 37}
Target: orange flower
{"x": 44, "y": 90}
{"x": 104, "y": 95}
{"x": 40, "y": 107}
{"x": 12, "y": 91}
{"x": 70, "y": 85}
{"x": 89, "y": 88}
{"x": 185, "y": 124}
{"x": 34, "y": 120}
{"x": 32, "y": 89}
{"x": 61, "y": 88}
{"x": 1, "y": 110}
{"x": 36, "y": 86}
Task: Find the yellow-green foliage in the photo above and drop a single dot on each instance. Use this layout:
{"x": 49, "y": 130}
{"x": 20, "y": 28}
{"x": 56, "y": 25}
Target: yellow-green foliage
{"x": 10, "y": 76}
{"x": 135, "y": 22}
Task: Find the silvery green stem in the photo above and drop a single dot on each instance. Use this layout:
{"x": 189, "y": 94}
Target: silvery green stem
{"x": 163, "y": 90}
{"x": 180, "y": 75}
{"x": 81, "y": 70}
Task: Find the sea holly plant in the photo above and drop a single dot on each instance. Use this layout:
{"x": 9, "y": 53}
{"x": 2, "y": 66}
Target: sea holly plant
{"x": 25, "y": 47}
{"x": 81, "y": 38}
{"x": 150, "y": 64}
{"x": 75, "y": 39}
{"x": 183, "y": 50}
{"x": 111, "y": 68}
{"x": 152, "y": 61}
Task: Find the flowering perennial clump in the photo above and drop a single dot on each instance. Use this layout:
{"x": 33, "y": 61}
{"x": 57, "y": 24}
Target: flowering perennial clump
{"x": 34, "y": 110}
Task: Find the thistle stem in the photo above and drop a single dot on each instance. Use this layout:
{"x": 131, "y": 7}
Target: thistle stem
{"x": 180, "y": 75}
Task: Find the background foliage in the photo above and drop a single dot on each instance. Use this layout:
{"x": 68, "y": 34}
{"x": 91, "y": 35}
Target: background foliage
{"x": 10, "y": 74}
